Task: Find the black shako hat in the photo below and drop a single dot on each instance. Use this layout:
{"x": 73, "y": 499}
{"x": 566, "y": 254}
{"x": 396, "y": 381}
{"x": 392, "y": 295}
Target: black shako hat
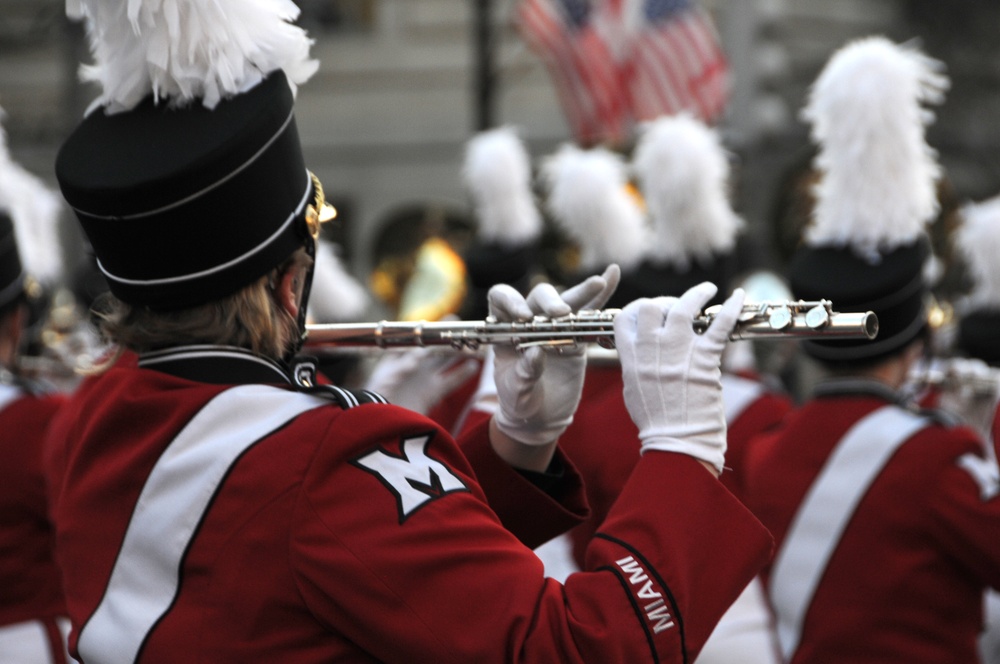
{"x": 491, "y": 263}
{"x": 11, "y": 270}
{"x": 979, "y": 335}
{"x": 893, "y": 287}
{"x": 170, "y": 197}
{"x": 866, "y": 245}
{"x": 651, "y": 280}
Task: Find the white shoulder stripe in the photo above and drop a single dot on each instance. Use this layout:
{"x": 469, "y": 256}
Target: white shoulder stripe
{"x": 144, "y": 580}
{"x": 9, "y": 394}
{"x": 827, "y": 508}
{"x": 737, "y": 394}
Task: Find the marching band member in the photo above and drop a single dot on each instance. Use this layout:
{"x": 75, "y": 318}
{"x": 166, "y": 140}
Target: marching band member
{"x": 683, "y": 175}
{"x": 33, "y": 623}
{"x": 207, "y": 509}
{"x": 588, "y": 195}
{"x": 887, "y": 525}
{"x": 496, "y": 173}
{"x": 977, "y": 339}
{"x": 974, "y": 393}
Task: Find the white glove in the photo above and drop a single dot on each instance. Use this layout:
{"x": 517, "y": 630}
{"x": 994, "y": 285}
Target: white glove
{"x": 673, "y": 388}
{"x": 538, "y": 391}
{"x": 417, "y": 378}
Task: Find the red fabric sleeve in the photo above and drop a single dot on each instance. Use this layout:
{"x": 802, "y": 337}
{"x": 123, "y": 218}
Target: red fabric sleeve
{"x": 529, "y": 513}
{"x": 709, "y": 546}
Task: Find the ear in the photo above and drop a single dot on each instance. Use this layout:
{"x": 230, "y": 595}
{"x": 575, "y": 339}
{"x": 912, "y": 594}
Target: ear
{"x": 289, "y": 290}
{"x": 915, "y": 352}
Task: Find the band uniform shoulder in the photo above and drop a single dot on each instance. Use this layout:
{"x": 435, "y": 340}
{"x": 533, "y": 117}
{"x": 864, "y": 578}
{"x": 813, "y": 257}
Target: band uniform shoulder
{"x": 941, "y": 418}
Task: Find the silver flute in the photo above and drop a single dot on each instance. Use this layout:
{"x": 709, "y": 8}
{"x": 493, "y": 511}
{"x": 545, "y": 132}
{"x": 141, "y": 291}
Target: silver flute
{"x": 758, "y": 320}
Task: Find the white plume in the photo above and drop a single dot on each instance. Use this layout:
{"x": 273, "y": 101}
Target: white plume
{"x": 877, "y": 190}
{"x": 978, "y": 241}
{"x": 683, "y": 173}
{"x": 189, "y": 49}
{"x": 588, "y": 198}
{"x": 336, "y": 296}
{"x": 35, "y": 211}
{"x": 497, "y": 172}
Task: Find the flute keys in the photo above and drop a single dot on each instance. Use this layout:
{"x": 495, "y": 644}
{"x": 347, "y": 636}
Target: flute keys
{"x": 702, "y": 321}
{"x": 780, "y": 318}
{"x": 710, "y": 312}
{"x": 817, "y": 317}
{"x": 749, "y": 312}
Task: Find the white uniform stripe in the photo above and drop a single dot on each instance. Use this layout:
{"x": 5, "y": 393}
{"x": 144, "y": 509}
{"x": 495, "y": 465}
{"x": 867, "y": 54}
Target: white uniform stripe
{"x": 9, "y": 394}
{"x": 177, "y": 493}
{"x": 737, "y": 394}
{"x": 28, "y": 642}
{"x": 828, "y": 506}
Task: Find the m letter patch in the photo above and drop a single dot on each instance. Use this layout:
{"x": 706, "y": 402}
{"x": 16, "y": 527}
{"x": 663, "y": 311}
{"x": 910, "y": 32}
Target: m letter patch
{"x": 413, "y": 477}
{"x": 984, "y": 472}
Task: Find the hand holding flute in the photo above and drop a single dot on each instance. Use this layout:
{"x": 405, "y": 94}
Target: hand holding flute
{"x": 537, "y": 392}
{"x": 672, "y": 373}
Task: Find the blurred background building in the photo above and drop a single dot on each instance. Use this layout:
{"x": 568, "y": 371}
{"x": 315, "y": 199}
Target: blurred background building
{"x": 403, "y": 85}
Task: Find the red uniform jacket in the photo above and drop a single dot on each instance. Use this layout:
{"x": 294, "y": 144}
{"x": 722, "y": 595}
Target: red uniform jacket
{"x": 905, "y": 530}
{"x": 30, "y": 585}
{"x": 200, "y": 522}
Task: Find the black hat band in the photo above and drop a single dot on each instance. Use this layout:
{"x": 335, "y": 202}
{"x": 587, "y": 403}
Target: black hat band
{"x": 881, "y": 346}
{"x": 893, "y": 288}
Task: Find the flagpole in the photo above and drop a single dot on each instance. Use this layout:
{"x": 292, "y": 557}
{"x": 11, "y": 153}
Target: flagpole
{"x": 485, "y": 74}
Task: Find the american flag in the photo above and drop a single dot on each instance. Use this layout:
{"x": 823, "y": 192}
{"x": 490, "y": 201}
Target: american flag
{"x": 677, "y": 63}
{"x": 667, "y": 60}
{"x": 587, "y": 78}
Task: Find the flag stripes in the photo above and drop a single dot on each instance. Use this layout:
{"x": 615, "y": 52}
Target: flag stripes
{"x": 671, "y": 62}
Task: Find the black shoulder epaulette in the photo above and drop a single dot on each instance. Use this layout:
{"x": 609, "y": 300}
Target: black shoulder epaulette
{"x": 941, "y": 417}
{"x": 345, "y": 398}
{"x": 304, "y": 370}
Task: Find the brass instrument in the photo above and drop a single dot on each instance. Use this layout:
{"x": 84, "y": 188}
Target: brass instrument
{"x": 974, "y": 379}
{"x": 760, "y": 320}
{"x": 965, "y": 387}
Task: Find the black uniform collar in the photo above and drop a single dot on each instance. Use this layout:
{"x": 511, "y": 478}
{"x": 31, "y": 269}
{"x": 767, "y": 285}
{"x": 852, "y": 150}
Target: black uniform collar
{"x": 224, "y": 365}
{"x": 844, "y": 387}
